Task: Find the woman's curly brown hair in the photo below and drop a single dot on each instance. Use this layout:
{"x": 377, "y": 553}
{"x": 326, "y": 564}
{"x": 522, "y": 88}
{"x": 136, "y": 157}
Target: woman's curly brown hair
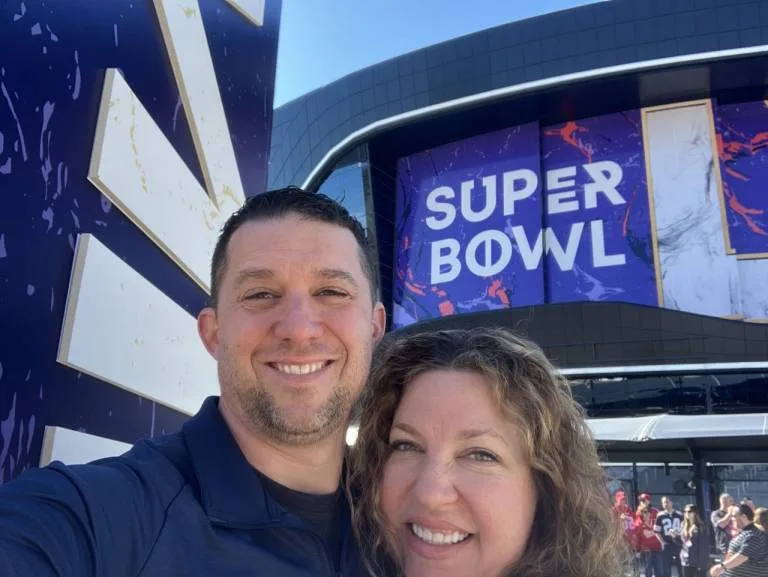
{"x": 574, "y": 531}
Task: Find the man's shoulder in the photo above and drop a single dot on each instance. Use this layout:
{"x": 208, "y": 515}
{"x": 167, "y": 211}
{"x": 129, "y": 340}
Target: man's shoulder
{"x": 148, "y": 468}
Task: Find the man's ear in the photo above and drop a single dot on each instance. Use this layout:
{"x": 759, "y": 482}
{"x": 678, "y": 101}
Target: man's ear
{"x": 208, "y": 329}
{"x": 379, "y": 322}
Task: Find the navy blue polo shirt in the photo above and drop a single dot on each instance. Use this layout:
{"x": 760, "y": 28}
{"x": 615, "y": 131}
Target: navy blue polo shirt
{"x": 186, "y": 504}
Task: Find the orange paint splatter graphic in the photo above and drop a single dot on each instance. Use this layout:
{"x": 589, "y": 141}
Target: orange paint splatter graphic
{"x": 625, "y": 223}
{"x": 446, "y": 308}
{"x": 745, "y": 213}
{"x": 414, "y": 287}
{"x": 736, "y": 174}
{"x": 497, "y": 290}
{"x": 568, "y": 134}
{"x": 731, "y": 151}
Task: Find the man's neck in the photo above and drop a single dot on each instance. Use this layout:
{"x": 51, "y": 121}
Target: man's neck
{"x": 314, "y": 468}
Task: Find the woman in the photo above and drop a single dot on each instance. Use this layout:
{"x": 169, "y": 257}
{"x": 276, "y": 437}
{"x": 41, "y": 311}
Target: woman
{"x": 473, "y": 459}
{"x": 761, "y": 519}
{"x": 694, "y": 555}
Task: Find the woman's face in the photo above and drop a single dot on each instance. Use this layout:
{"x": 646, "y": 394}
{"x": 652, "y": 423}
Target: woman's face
{"x": 456, "y": 491}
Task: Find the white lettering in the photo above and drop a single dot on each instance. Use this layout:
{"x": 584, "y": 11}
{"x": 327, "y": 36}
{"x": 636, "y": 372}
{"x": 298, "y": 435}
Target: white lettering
{"x": 555, "y": 178}
{"x": 606, "y": 177}
{"x": 531, "y": 256}
{"x": 556, "y": 202}
{"x": 564, "y": 258}
{"x": 445, "y": 208}
{"x": 489, "y": 184}
{"x": 440, "y": 258}
{"x": 599, "y": 258}
{"x": 512, "y": 194}
{"x": 487, "y": 239}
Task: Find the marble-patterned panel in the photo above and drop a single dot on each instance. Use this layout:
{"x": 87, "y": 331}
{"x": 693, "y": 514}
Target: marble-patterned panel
{"x": 753, "y": 275}
{"x": 697, "y": 274}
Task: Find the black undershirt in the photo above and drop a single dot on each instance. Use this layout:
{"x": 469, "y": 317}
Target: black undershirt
{"x": 321, "y": 513}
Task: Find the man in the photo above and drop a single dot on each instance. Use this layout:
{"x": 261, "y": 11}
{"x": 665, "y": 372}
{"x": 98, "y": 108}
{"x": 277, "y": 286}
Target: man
{"x": 646, "y": 543}
{"x": 668, "y": 527}
{"x": 721, "y": 522}
{"x": 251, "y": 485}
{"x": 644, "y": 502}
{"x": 747, "y": 552}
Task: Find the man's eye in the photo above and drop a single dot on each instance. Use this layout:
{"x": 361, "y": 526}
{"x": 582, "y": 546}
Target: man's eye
{"x": 260, "y": 295}
{"x": 332, "y": 293}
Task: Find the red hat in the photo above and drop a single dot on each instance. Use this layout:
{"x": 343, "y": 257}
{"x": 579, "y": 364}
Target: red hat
{"x": 644, "y": 497}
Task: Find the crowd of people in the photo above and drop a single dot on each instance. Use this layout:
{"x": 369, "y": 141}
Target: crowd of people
{"x": 669, "y": 539}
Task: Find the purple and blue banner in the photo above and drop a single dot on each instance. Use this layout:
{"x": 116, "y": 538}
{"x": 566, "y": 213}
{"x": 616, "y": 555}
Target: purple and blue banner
{"x": 598, "y": 210}
{"x": 742, "y": 137}
{"x": 525, "y": 216}
{"x": 460, "y": 208}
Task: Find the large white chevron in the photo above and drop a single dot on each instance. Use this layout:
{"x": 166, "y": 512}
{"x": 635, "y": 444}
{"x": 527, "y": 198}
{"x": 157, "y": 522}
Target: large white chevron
{"x": 75, "y": 447}
{"x": 253, "y": 10}
{"x": 137, "y": 167}
{"x": 121, "y": 329}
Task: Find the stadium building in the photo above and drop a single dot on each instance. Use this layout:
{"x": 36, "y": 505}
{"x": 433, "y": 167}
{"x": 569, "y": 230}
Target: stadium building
{"x": 594, "y": 178}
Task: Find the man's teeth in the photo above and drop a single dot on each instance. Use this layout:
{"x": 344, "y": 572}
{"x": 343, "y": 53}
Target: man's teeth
{"x": 299, "y": 369}
{"x": 436, "y": 538}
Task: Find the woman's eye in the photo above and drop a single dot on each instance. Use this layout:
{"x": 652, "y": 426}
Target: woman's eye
{"x": 402, "y": 446}
{"x": 483, "y": 455}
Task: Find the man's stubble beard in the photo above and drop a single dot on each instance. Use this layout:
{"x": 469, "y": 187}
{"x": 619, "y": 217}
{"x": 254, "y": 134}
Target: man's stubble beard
{"x": 261, "y": 411}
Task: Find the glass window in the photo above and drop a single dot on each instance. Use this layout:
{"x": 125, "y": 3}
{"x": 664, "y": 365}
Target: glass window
{"x": 349, "y": 183}
{"x": 674, "y": 481}
{"x": 740, "y": 393}
{"x": 741, "y": 480}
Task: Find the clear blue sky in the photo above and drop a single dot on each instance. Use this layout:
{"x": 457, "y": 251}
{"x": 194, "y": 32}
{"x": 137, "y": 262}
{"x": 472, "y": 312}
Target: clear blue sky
{"x": 323, "y": 40}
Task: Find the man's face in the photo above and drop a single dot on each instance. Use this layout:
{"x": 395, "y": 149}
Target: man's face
{"x": 294, "y": 328}
{"x": 666, "y": 504}
{"x": 726, "y": 501}
{"x": 740, "y": 518}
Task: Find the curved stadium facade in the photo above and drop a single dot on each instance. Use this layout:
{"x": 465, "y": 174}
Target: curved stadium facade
{"x": 596, "y": 179}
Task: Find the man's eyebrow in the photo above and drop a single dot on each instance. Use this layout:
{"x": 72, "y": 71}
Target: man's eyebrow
{"x": 337, "y": 274}
{"x": 253, "y": 274}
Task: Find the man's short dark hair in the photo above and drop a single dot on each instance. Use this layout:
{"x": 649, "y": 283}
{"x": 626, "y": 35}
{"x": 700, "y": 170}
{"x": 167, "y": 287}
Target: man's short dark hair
{"x": 285, "y": 202}
{"x": 747, "y": 511}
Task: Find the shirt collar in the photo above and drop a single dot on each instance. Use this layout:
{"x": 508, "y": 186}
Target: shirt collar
{"x": 230, "y": 489}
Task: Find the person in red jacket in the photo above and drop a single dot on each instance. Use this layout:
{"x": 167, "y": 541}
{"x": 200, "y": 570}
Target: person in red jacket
{"x": 622, "y": 510}
{"x": 644, "y": 538}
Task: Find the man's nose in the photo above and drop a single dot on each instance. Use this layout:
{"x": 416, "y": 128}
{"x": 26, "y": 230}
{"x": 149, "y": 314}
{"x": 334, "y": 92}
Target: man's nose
{"x": 299, "y": 319}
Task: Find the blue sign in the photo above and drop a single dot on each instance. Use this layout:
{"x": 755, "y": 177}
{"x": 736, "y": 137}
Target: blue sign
{"x": 56, "y": 56}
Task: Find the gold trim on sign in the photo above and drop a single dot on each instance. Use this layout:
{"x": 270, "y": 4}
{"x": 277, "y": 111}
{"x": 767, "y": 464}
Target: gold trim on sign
{"x": 652, "y": 205}
{"x": 719, "y": 180}
{"x": 686, "y": 104}
{"x": 752, "y": 256}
